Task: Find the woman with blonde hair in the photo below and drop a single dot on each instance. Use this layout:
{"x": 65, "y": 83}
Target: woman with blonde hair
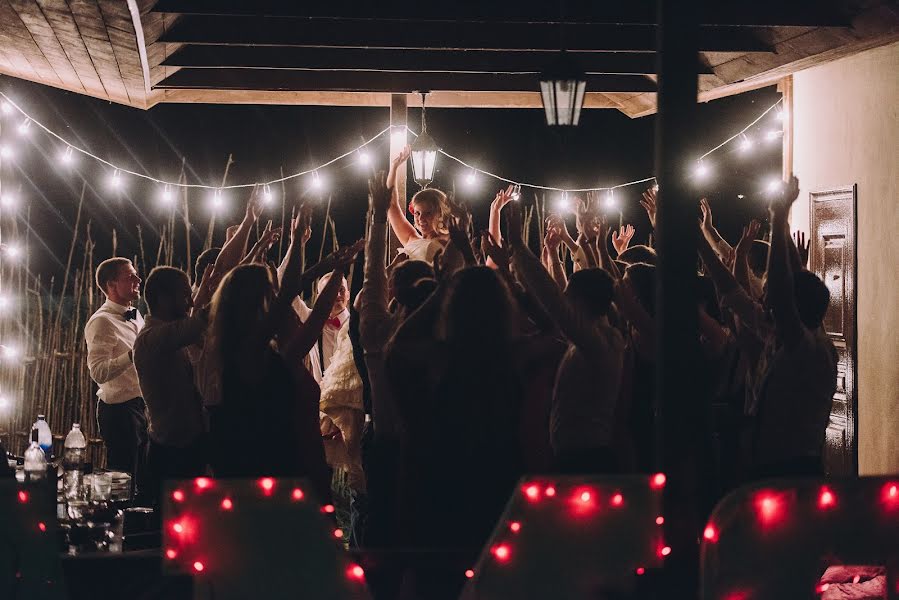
{"x": 431, "y": 211}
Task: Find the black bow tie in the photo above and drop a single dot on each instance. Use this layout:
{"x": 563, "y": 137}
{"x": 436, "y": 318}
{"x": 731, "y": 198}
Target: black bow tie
{"x": 131, "y": 314}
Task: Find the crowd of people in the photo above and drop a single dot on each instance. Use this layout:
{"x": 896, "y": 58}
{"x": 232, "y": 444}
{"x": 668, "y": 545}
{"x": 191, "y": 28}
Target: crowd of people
{"x": 457, "y": 366}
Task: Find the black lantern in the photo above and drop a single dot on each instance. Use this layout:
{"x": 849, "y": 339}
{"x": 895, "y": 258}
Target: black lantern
{"x": 562, "y": 88}
{"x": 424, "y": 153}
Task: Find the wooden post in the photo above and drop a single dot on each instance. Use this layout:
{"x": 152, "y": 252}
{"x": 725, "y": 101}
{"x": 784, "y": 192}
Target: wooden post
{"x": 679, "y": 400}
{"x": 399, "y": 119}
{"x": 785, "y": 87}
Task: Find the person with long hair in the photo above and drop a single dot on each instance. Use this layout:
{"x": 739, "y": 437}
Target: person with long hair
{"x": 267, "y": 422}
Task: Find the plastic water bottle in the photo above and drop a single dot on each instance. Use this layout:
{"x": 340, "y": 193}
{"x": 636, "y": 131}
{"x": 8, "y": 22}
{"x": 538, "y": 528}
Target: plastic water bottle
{"x": 44, "y": 437}
{"x": 73, "y": 457}
{"x": 35, "y": 461}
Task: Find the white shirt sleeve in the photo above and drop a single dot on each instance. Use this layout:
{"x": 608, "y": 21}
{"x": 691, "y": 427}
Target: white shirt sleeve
{"x": 102, "y": 363}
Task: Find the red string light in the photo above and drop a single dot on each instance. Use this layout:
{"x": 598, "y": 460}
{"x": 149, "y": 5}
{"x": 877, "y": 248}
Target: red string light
{"x": 178, "y": 496}
{"x": 297, "y": 494}
{"x": 328, "y": 508}
{"x": 820, "y": 589}
{"x": 532, "y": 492}
{"x": 664, "y": 550}
{"x": 469, "y": 573}
{"x": 658, "y": 481}
{"x": 890, "y": 495}
{"x": 769, "y": 508}
{"x": 171, "y": 554}
{"x": 617, "y": 500}
{"x": 501, "y": 552}
{"x": 267, "y": 484}
{"x": 227, "y": 504}
{"x": 710, "y": 533}
{"x": 660, "y": 520}
{"x": 826, "y": 499}
{"x": 640, "y": 571}
{"x": 203, "y": 483}
{"x": 199, "y": 566}
{"x": 178, "y": 527}
{"x": 515, "y": 526}
{"x": 356, "y": 572}
{"x": 550, "y": 491}
{"x": 338, "y": 533}
{"x": 23, "y": 496}
{"x": 42, "y": 526}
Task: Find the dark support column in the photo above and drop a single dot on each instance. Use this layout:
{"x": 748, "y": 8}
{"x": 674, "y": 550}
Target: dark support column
{"x": 679, "y": 395}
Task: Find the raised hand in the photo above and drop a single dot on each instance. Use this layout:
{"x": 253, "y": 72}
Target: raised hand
{"x": 750, "y": 234}
{"x": 503, "y": 197}
{"x": 553, "y": 239}
{"x": 301, "y": 226}
{"x": 621, "y": 239}
{"x": 254, "y": 205}
{"x": 379, "y": 194}
{"x": 706, "y": 222}
{"x": 402, "y": 157}
{"x": 783, "y": 200}
{"x": 802, "y": 245}
{"x": 649, "y": 204}
{"x": 498, "y": 254}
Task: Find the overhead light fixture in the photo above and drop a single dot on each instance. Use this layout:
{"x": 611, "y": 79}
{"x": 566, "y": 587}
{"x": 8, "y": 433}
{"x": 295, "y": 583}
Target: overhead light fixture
{"x": 562, "y": 89}
{"x": 424, "y": 152}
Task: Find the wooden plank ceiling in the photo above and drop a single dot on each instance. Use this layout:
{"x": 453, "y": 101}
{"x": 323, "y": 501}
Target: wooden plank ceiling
{"x": 467, "y": 53}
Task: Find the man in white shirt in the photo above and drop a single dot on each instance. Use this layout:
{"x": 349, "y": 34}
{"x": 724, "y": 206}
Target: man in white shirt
{"x": 340, "y": 314}
{"x": 110, "y": 335}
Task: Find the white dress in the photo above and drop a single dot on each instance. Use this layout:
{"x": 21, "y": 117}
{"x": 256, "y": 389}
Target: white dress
{"x": 422, "y": 249}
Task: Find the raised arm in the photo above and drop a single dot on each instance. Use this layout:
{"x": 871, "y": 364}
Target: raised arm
{"x": 741, "y": 255}
{"x": 780, "y": 272}
{"x": 373, "y": 301}
{"x": 235, "y": 247}
{"x": 402, "y": 228}
{"x": 551, "y": 242}
{"x": 602, "y": 247}
{"x": 502, "y": 198}
{"x": 720, "y": 245}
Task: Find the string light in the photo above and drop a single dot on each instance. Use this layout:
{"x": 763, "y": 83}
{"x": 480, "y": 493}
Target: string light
{"x": 702, "y": 170}
{"x": 398, "y": 136}
{"x": 115, "y": 180}
{"x": 563, "y": 204}
{"x": 217, "y": 200}
{"x": 610, "y": 199}
{"x": 9, "y": 352}
{"x": 741, "y": 196}
{"x": 13, "y": 251}
{"x": 364, "y": 158}
{"x": 745, "y": 144}
{"x": 774, "y": 185}
{"x": 780, "y": 115}
{"x": 772, "y": 135}
{"x": 67, "y": 156}
{"x": 267, "y": 194}
{"x": 167, "y": 195}
{"x": 7, "y": 151}
{"x": 317, "y": 183}
{"x": 516, "y": 193}
{"x": 8, "y": 201}
{"x": 471, "y": 177}
{"x": 25, "y": 127}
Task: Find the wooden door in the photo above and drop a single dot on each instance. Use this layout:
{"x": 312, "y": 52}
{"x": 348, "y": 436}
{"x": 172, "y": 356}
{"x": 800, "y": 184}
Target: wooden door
{"x": 832, "y": 258}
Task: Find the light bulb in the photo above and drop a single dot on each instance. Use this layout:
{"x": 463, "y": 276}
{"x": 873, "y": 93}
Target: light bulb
{"x": 4, "y": 403}
{"x": 471, "y": 178}
{"x": 217, "y": 199}
{"x": 6, "y": 151}
{"x": 25, "y": 127}
{"x": 5, "y": 107}
{"x": 67, "y": 156}
{"x": 610, "y": 200}
{"x": 773, "y": 135}
{"x": 115, "y": 180}
{"x": 317, "y": 182}
{"x": 398, "y": 135}
{"x": 745, "y": 144}
{"x": 563, "y": 204}
{"x": 267, "y": 196}
{"x": 780, "y": 115}
{"x": 740, "y": 196}
{"x": 774, "y": 185}
{"x": 8, "y": 201}
{"x": 516, "y": 193}
{"x": 9, "y": 352}
{"x": 702, "y": 170}
{"x": 13, "y": 251}
{"x": 364, "y": 158}
{"x": 5, "y": 302}
{"x": 167, "y": 195}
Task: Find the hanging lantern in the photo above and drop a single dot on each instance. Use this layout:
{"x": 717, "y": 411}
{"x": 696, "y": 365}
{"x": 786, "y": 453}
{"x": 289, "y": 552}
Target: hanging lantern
{"x": 562, "y": 88}
{"x": 424, "y": 153}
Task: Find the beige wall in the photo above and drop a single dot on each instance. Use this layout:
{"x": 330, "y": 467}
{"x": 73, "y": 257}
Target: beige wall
{"x": 846, "y": 130}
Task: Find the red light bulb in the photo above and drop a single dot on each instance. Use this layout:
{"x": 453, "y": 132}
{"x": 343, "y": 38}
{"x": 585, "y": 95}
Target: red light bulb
{"x": 890, "y": 495}
{"x": 826, "y": 499}
{"x": 355, "y": 572}
{"x": 338, "y": 533}
{"x": 660, "y": 520}
{"x": 23, "y": 496}
{"x": 501, "y": 552}
{"x": 469, "y": 573}
{"x": 227, "y": 504}
{"x": 658, "y": 481}
{"x": 177, "y": 527}
{"x": 297, "y": 494}
{"x": 515, "y": 526}
{"x": 617, "y": 500}
{"x": 532, "y": 492}
{"x": 42, "y": 526}
{"x": 769, "y": 508}
{"x": 586, "y": 496}
{"x": 198, "y": 566}
{"x": 710, "y": 533}
{"x": 550, "y": 492}
{"x": 267, "y": 484}
{"x": 178, "y": 496}
{"x": 664, "y": 550}
{"x": 203, "y": 483}
{"x": 640, "y": 571}
{"x": 328, "y": 508}
{"x": 170, "y": 554}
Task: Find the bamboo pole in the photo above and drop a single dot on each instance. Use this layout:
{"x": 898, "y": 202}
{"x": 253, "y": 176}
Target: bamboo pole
{"x": 321, "y": 248}
{"x": 208, "y": 243}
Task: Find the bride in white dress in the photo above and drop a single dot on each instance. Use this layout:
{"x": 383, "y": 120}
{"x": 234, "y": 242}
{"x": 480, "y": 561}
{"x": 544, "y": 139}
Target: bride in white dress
{"x": 430, "y": 210}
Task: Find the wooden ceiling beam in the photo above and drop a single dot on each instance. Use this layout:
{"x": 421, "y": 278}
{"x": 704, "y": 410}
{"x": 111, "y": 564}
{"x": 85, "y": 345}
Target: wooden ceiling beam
{"x": 362, "y": 33}
{"x": 760, "y": 13}
{"x": 257, "y": 79}
{"x": 357, "y": 59}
